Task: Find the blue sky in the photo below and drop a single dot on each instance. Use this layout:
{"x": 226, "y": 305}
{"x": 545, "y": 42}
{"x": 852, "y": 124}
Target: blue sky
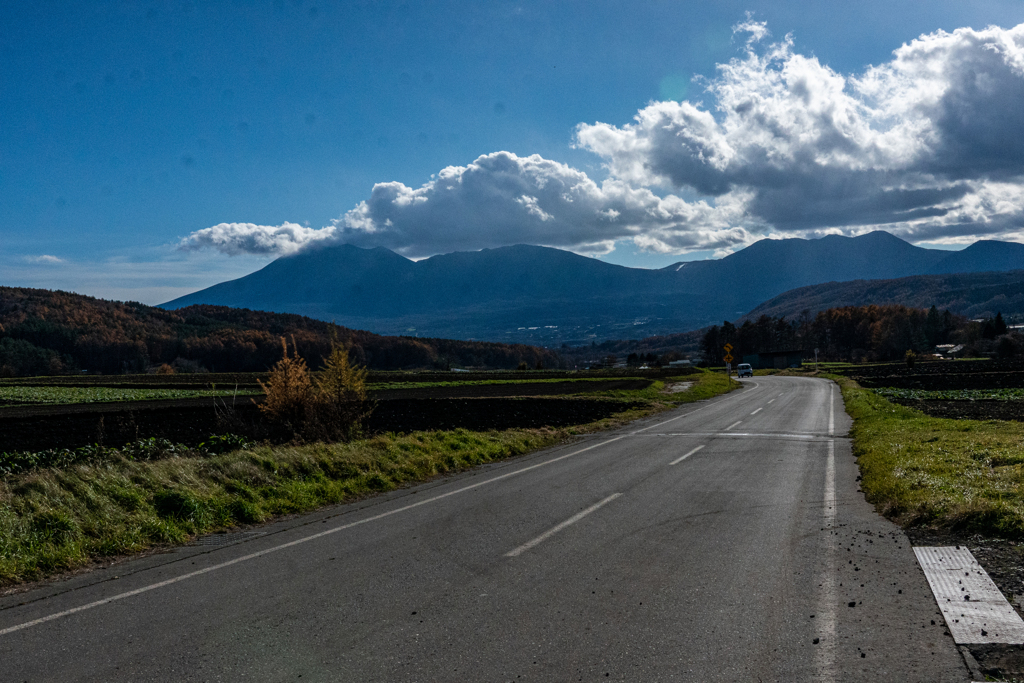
{"x": 127, "y": 129}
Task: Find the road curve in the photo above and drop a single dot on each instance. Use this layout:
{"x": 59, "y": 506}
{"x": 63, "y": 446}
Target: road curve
{"x": 723, "y": 541}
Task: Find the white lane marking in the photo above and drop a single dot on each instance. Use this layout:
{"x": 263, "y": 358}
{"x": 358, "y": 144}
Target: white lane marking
{"x": 679, "y": 460}
{"x": 299, "y": 541}
{"x": 679, "y": 417}
{"x": 831, "y": 410}
{"x": 555, "y": 529}
{"x": 802, "y": 435}
{"x": 825, "y": 654}
{"x": 772, "y": 401}
{"x": 732, "y": 425}
{"x": 757, "y": 411}
{"x": 975, "y": 610}
{"x": 782, "y": 393}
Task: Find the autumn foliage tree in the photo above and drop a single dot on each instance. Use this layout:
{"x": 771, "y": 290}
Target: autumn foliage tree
{"x": 329, "y": 406}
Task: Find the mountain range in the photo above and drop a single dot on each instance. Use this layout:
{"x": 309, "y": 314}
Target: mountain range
{"x": 975, "y": 295}
{"x": 543, "y": 295}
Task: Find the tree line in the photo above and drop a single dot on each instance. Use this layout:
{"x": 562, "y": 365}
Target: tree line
{"x": 45, "y": 332}
{"x": 858, "y": 333}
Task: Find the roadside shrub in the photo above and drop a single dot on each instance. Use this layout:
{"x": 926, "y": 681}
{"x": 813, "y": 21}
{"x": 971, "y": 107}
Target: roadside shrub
{"x": 164, "y": 369}
{"x": 911, "y": 358}
{"x": 289, "y": 391}
{"x": 329, "y": 407}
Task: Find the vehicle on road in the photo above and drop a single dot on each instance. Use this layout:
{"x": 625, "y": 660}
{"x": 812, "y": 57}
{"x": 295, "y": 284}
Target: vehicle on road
{"x": 744, "y": 370}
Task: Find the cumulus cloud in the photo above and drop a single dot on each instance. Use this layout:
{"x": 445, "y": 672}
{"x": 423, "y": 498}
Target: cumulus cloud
{"x": 502, "y": 199}
{"x": 927, "y": 145}
{"x": 246, "y": 238}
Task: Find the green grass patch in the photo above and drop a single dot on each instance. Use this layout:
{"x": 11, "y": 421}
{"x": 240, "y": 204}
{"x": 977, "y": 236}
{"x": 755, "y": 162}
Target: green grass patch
{"x": 962, "y": 475}
{"x": 54, "y": 519}
{"x": 57, "y": 395}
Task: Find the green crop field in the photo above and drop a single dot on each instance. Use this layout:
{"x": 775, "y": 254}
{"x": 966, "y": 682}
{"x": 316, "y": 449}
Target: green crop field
{"x": 12, "y": 395}
{"x": 953, "y": 394}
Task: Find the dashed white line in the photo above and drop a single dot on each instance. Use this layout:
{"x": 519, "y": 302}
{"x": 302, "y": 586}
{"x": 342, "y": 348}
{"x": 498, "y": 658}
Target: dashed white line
{"x": 732, "y": 425}
{"x": 554, "y": 530}
{"x": 680, "y": 459}
{"x": 772, "y": 401}
{"x": 757, "y": 411}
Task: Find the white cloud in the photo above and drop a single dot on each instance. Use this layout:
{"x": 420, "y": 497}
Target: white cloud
{"x": 246, "y": 238}
{"x": 44, "y": 259}
{"x": 502, "y": 199}
{"x": 927, "y": 145}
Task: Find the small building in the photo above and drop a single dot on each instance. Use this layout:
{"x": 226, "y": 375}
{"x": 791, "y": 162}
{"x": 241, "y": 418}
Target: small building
{"x": 679, "y": 364}
{"x": 778, "y": 360}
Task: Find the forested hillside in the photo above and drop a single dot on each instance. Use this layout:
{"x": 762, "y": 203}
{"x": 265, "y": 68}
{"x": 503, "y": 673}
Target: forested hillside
{"x": 857, "y": 333}
{"x": 53, "y": 332}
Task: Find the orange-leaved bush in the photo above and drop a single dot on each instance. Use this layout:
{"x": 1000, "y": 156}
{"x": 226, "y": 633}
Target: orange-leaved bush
{"x": 327, "y": 406}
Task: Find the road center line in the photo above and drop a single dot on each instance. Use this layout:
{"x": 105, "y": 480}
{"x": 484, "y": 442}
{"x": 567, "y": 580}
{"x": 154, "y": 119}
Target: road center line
{"x": 772, "y": 401}
{"x": 732, "y": 425}
{"x": 555, "y": 529}
{"x": 758, "y": 410}
{"x": 679, "y": 460}
{"x": 299, "y": 541}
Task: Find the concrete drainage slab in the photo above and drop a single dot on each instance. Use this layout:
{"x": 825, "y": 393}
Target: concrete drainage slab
{"x": 975, "y": 610}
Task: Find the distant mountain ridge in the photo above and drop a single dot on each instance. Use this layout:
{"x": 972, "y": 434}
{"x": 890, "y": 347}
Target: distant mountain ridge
{"x": 975, "y": 295}
{"x": 543, "y": 295}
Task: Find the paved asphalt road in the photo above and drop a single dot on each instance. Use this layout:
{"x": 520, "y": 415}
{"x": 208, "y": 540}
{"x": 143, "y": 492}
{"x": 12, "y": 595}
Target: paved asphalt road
{"x": 614, "y": 558}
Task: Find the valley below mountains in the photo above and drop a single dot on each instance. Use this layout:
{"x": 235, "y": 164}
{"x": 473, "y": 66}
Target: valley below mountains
{"x": 546, "y": 296}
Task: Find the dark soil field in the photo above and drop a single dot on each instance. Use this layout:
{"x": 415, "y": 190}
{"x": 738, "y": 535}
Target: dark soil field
{"x": 949, "y": 376}
{"x": 191, "y": 421}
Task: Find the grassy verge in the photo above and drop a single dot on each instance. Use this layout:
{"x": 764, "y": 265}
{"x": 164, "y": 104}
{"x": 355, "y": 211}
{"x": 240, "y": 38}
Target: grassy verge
{"x": 962, "y": 475}
{"x": 56, "y": 519}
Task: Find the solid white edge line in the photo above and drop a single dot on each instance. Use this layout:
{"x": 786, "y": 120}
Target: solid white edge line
{"x": 825, "y": 655}
{"x": 732, "y": 425}
{"x": 680, "y": 459}
{"x": 299, "y": 541}
{"x": 758, "y": 410}
{"x": 831, "y": 410}
{"x": 555, "y": 529}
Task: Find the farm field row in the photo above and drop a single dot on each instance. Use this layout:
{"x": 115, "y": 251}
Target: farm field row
{"x": 21, "y": 395}
{"x": 58, "y": 395}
